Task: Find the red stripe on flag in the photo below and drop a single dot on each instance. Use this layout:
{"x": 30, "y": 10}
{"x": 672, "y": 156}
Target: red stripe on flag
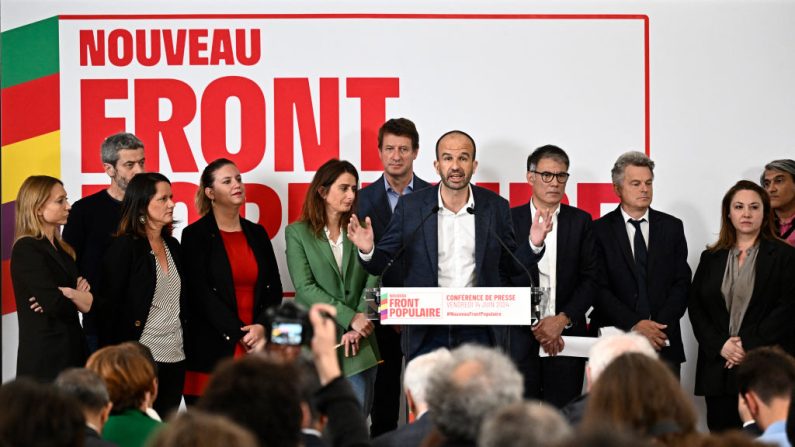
{"x": 30, "y": 109}
{"x": 9, "y": 304}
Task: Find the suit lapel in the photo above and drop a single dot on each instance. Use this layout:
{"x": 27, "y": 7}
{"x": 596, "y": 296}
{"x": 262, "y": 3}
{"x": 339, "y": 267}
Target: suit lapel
{"x": 620, "y": 234}
{"x": 656, "y": 240}
{"x": 57, "y": 255}
{"x": 764, "y": 264}
{"x": 220, "y": 258}
{"x": 564, "y": 228}
{"x": 431, "y": 230}
{"x": 323, "y": 247}
{"x": 482, "y": 229}
{"x": 347, "y": 256}
{"x": 382, "y": 209}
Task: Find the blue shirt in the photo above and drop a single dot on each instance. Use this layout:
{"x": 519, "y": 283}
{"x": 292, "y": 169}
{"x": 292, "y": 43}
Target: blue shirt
{"x": 776, "y": 434}
{"x": 393, "y": 195}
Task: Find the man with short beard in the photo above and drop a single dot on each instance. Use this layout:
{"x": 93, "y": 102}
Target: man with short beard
{"x": 94, "y": 219}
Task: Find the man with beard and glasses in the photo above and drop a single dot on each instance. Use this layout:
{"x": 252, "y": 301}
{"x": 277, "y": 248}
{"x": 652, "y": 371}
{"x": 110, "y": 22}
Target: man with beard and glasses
{"x": 458, "y": 244}
{"x": 94, "y": 219}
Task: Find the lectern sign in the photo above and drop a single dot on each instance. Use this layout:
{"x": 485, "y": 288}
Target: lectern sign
{"x": 456, "y": 306}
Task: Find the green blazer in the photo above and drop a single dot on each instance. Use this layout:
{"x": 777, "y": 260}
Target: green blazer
{"x": 317, "y": 279}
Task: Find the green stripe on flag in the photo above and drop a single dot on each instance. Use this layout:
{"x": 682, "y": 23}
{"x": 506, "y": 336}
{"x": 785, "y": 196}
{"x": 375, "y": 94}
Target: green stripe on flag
{"x": 29, "y": 52}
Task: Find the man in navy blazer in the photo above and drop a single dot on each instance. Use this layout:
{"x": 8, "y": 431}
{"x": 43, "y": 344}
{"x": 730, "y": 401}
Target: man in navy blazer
{"x": 644, "y": 278}
{"x": 569, "y": 266}
{"x": 398, "y": 145}
{"x": 451, "y": 234}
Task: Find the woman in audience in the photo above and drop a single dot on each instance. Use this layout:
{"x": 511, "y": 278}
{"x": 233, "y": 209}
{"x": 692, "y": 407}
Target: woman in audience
{"x": 196, "y": 429}
{"x": 44, "y": 273}
{"x": 742, "y": 297}
{"x": 132, "y": 386}
{"x": 640, "y": 395}
{"x": 324, "y": 268}
{"x": 142, "y": 289}
{"x": 231, "y": 273}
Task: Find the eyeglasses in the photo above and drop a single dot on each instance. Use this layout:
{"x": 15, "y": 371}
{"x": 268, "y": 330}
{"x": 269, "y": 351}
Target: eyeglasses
{"x": 546, "y": 177}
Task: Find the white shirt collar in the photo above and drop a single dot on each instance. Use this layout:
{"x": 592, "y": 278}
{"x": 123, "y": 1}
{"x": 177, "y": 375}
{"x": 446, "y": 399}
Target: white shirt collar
{"x": 409, "y": 186}
{"x": 328, "y": 236}
{"x": 628, "y": 217}
{"x": 470, "y": 202}
{"x": 533, "y": 209}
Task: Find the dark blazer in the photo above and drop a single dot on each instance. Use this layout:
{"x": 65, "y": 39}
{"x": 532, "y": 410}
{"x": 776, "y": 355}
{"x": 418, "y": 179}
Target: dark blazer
{"x": 767, "y": 321}
{"x": 493, "y": 266}
{"x": 374, "y": 203}
{"x": 576, "y": 267}
{"x": 409, "y": 435}
{"x": 668, "y": 276}
{"x": 215, "y": 325}
{"x": 51, "y": 341}
{"x": 93, "y": 439}
{"x": 128, "y": 287}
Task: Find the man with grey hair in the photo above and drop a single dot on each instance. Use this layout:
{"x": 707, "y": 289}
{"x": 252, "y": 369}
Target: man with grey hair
{"x": 525, "y": 424}
{"x": 604, "y": 351}
{"x": 95, "y": 218}
{"x": 779, "y": 182}
{"x": 644, "y": 276}
{"x": 415, "y": 383}
{"x": 473, "y": 383}
{"x": 88, "y": 388}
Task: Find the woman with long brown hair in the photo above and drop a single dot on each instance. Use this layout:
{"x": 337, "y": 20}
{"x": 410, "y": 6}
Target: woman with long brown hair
{"x": 43, "y": 272}
{"x": 143, "y": 298}
{"x": 324, "y": 268}
{"x": 742, "y": 297}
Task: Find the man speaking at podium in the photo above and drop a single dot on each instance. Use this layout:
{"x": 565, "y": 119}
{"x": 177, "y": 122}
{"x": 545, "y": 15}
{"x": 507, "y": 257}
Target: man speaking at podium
{"x": 451, "y": 235}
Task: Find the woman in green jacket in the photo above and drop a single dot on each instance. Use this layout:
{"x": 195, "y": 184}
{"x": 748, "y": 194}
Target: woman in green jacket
{"x": 324, "y": 268}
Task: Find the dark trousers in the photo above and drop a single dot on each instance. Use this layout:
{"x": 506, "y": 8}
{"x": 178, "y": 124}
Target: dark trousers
{"x": 453, "y": 336}
{"x": 722, "y": 413}
{"x": 556, "y": 380}
{"x": 386, "y": 400}
{"x": 170, "y": 380}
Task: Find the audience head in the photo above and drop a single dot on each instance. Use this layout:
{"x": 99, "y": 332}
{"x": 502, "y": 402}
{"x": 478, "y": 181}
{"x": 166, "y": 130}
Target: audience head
{"x": 129, "y": 375}
{"x": 41, "y": 208}
{"x": 398, "y": 145}
{"x": 474, "y": 382}
{"x": 148, "y": 203}
{"x": 633, "y": 178}
{"x": 608, "y": 347}
{"x": 745, "y": 201}
{"x": 778, "y": 180}
{"x": 309, "y": 384}
{"x": 332, "y": 190}
{"x": 39, "y": 415}
{"x": 640, "y": 394}
{"x": 220, "y": 184}
{"x": 123, "y": 158}
{"x": 524, "y": 424}
{"x": 606, "y": 437}
{"x": 416, "y": 377}
{"x": 765, "y": 380}
{"x": 261, "y": 395}
{"x": 194, "y": 428}
{"x": 89, "y": 390}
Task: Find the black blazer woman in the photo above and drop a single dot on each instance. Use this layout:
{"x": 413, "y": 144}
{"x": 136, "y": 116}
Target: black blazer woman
{"x": 142, "y": 292}
{"x": 48, "y": 291}
{"x": 743, "y": 297}
{"x": 220, "y": 326}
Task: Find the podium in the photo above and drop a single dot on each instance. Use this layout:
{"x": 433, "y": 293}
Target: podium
{"x": 475, "y": 306}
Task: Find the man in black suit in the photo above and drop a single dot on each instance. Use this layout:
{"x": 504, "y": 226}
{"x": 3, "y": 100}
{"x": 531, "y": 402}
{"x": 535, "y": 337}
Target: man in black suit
{"x": 569, "y": 266}
{"x": 415, "y": 381}
{"x": 644, "y": 276}
{"x": 89, "y": 390}
{"x": 398, "y": 145}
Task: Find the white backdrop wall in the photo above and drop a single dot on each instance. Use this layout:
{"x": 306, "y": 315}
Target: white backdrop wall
{"x": 705, "y": 87}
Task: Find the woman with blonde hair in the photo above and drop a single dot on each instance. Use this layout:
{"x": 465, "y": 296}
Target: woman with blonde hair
{"x": 131, "y": 380}
{"x": 43, "y": 272}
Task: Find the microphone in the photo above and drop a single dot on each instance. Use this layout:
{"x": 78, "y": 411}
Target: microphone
{"x": 406, "y": 244}
{"x": 471, "y": 210}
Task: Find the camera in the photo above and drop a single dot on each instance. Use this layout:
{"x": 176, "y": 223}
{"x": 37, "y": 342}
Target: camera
{"x": 288, "y": 325}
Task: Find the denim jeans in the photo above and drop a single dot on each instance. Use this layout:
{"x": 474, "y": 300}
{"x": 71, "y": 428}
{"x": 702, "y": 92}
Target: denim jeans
{"x": 363, "y": 385}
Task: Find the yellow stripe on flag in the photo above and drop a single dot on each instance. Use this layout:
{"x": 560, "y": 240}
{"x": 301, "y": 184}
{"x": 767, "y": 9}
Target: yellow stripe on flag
{"x": 35, "y": 156}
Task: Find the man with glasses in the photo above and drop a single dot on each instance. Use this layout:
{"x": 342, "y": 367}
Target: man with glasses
{"x": 644, "y": 276}
{"x": 569, "y": 267}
